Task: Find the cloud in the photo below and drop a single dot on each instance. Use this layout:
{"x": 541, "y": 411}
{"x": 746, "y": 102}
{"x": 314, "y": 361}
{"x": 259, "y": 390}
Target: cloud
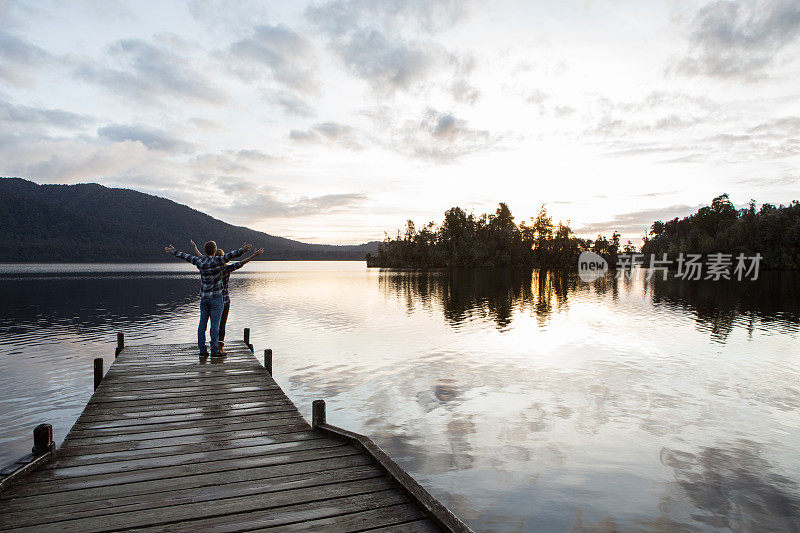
{"x": 777, "y": 128}
{"x": 253, "y": 156}
{"x": 537, "y": 96}
{"x": 21, "y": 115}
{"x": 19, "y": 58}
{"x": 563, "y": 110}
{"x": 637, "y": 221}
{"x": 328, "y": 132}
{"x": 430, "y": 16}
{"x": 436, "y": 136}
{"x": 387, "y": 64}
{"x": 148, "y": 73}
{"x": 290, "y": 103}
{"x": 70, "y": 160}
{"x": 230, "y": 161}
{"x": 288, "y": 56}
{"x": 781, "y": 181}
{"x": 371, "y": 40}
{"x": 441, "y": 137}
{"x": 688, "y": 128}
{"x": 249, "y": 200}
{"x": 740, "y": 39}
{"x": 655, "y": 113}
{"x": 205, "y": 124}
{"x": 152, "y": 139}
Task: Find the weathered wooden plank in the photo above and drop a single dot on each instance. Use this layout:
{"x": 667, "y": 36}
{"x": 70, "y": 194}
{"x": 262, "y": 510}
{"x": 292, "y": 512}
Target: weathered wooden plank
{"x": 91, "y": 446}
{"x": 37, "y": 483}
{"x": 97, "y": 496}
{"x": 359, "y": 521}
{"x": 195, "y": 494}
{"x": 418, "y": 526}
{"x": 95, "y": 414}
{"x": 335, "y": 495}
{"x": 177, "y": 371}
{"x": 147, "y": 400}
{"x": 279, "y": 516}
{"x": 121, "y": 395}
{"x": 67, "y": 470}
{"x": 221, "y": 425}
{"x": 180, "y": 422}
{"x": 136, "y": 374}
{"x": 133, "y": 409}
{"x": 223, "y": 439}
{"x": 175, "y": 384}
{"x": 200, "y": 446}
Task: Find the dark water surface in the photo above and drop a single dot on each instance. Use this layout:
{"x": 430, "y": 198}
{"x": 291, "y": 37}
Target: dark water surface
{"x": 524, "y": 401}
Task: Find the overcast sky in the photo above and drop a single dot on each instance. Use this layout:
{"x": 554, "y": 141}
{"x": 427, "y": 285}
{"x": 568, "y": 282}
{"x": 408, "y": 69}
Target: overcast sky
{"x": 334, "y": 121}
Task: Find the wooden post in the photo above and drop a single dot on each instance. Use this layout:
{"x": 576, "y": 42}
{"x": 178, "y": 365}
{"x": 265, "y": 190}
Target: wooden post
{"x": 317, "y": 413}
{"x": 98, "y": 372}
{"x": 42, "y": 439}
{"x": 268, "y": 360}
{"x": 247, "y": 338}
{"x": 120, "y": 344}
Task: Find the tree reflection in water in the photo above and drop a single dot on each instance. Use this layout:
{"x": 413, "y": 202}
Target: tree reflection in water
{"x": 496, "y": 294}
{"x": 488, "y": 294}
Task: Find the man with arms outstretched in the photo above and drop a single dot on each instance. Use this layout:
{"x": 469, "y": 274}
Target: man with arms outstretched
{"x": 212, "y": 269}
{"x": 230, "y": 267}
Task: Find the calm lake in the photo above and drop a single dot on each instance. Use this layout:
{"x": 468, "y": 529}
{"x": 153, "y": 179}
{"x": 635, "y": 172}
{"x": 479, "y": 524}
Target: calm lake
{"x": 524, "y": 401}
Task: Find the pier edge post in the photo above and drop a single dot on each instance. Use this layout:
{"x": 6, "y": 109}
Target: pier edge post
{"x": 247, "y": 338}
{"x": 120, "y": 343}
{"x": 317, "y": 413}
{"x": 98, "y": 372}
{"x": 268, "y": 360}
{"x": 42, "y": 439}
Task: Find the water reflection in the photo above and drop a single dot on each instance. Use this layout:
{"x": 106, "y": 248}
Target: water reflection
{"x": 734, "y": 486}
{"x": 773, "y": 299}
{"x": 524, "y": 400}
{"x": 497, "y": 294}
{"x": 468, "y": 294}
{"x": 90, "y": 301}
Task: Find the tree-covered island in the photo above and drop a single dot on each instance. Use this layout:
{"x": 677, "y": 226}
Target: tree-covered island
{"x": 495, "y": 240}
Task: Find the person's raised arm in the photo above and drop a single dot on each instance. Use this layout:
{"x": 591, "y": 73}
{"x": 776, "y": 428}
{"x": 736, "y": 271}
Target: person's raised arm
{"x": 237, "y": 253}
{"x": 186, "y": 257}
{"x": 196, "y": 251}
{"x": 239, "y": 264}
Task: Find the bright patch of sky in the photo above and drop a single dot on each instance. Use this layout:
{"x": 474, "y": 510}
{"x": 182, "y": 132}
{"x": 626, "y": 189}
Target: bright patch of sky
{"x": 334, "y": 121}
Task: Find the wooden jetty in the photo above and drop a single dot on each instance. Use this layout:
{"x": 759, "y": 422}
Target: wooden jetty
{"x": 171, "y": 442}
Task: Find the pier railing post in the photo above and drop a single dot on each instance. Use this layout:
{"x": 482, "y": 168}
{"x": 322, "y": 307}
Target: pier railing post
{"x": 317, "y": 413}
{"x": 98, "y": 372}
{"x": 247, "y": 338}
{"x": 43, "y": 439}
{"x": 120, "y": 344}
{"x": 268, "y": 360}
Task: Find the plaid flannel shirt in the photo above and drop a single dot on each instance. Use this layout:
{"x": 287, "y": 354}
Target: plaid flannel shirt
{"x": 212, "y": 269}
{"x": 226, "y": 276}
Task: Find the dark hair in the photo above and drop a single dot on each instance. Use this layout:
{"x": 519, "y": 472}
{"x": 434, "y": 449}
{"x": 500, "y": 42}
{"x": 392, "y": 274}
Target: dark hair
{"x": 211, "y": 247}
{"x": 220, "y": 252}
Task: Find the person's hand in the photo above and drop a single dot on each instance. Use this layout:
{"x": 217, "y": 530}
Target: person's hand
{"x": 169, "y": 249}
{"x": 193, "y": 244}
{"x": 247, "y": 247}
{"x": 258, "y": 252}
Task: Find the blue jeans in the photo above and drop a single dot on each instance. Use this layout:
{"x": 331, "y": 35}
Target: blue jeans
{"x": 209, "y": 308}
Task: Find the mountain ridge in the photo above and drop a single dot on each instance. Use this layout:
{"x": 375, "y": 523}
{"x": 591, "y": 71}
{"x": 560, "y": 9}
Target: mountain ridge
{"x": 89, "y": 222}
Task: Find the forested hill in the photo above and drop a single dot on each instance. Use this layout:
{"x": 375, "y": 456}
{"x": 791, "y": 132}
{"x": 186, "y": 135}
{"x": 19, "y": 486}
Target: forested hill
{"x": 93, "y": 223}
